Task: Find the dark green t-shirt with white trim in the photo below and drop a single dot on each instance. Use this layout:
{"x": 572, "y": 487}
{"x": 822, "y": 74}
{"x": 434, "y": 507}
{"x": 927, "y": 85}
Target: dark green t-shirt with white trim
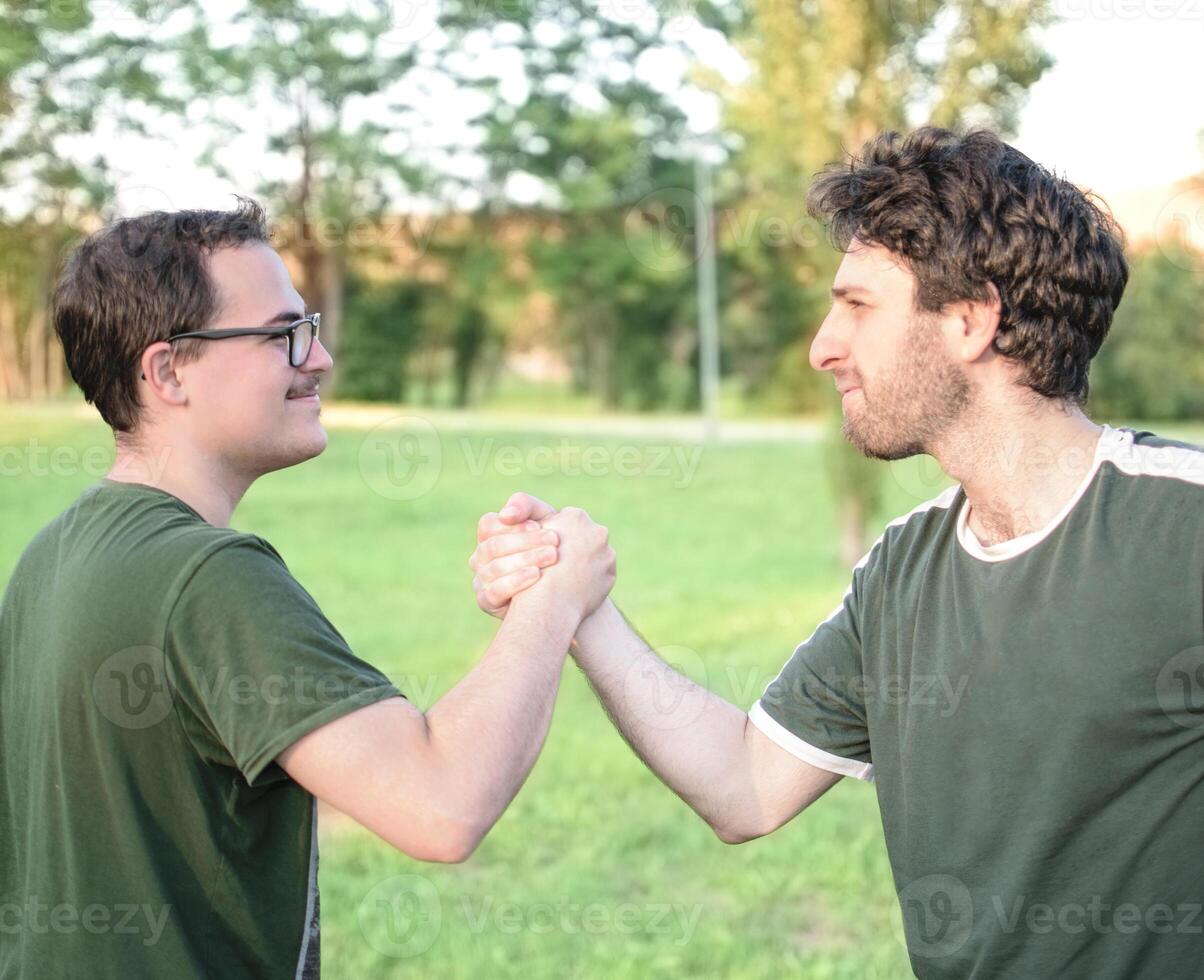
{"x": 152, "y": 667}
{"x": 1032, "y": 717}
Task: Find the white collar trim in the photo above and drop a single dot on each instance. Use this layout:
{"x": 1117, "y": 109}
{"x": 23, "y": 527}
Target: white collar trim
{"x": 1110, "y": 441}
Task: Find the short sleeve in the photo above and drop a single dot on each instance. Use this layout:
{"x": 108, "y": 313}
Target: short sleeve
{"x": 815, "y": 708}
{"x": 254, "y": 664}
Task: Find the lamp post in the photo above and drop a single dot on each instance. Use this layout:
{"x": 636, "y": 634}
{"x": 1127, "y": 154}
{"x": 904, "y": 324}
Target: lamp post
{"x": 708, "y": 295}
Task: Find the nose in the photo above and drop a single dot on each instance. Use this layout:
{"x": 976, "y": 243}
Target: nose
{"x": 318, "y": 359}
{"x": 830, "y": 345}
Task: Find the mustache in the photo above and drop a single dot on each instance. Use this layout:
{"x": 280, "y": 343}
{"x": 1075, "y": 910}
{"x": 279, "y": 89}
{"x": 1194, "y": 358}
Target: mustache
{"x": 310, "y": 389}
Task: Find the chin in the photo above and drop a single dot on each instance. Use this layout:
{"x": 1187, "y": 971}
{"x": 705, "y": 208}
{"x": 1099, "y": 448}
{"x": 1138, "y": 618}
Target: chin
{"x": 299, "y": 451}
{"x": 876, "y": 446}
{"x": 315, "y": 445}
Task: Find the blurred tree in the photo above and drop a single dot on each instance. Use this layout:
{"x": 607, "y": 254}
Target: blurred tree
{"x": 324, "y": 84}
{"x": 459, "y": 316}
{"x": 1152, "y": 364}
{"x": 569, "y": 124}
{"x": 62, "y": 71}
{"x": 383, "y": 326}
{"x": 828, "y": 75}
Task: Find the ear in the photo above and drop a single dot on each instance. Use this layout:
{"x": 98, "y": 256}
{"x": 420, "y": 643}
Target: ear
{"x": 160, "y": 376}
{"x": 975, "y": 323}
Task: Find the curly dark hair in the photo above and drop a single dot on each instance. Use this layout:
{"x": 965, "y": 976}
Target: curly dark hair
{"x": 138, "y": 281}
{"x": 967, "y": 210}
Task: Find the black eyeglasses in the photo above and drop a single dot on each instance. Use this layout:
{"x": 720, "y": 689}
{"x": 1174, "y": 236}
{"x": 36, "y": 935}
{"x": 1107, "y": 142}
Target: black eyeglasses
{"x": 301, "y": 336}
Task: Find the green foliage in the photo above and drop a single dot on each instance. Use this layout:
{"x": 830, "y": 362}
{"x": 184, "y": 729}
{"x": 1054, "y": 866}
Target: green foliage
{"x": 383, "y": 325}
{"x": 595, "y": 139}
{"x": 629, "y": 324}
{"x": 1152, "y": 363}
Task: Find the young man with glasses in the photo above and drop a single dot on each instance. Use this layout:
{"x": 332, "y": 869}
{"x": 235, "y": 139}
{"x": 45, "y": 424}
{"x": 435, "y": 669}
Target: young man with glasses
{"x": 171, "y": 699}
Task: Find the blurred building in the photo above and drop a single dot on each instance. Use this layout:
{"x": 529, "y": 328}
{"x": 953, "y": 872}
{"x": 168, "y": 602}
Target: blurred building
{"x": 1172, "y": 214}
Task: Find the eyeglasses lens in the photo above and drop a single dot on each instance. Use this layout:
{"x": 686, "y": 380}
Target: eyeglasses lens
{"x": 303, "y": 339}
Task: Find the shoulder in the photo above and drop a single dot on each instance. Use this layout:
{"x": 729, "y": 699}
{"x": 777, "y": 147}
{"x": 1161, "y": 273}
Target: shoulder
{"x": 920, "y": 529}
{"x": 237, "y": 561}
{"x": 1152, "y": 457}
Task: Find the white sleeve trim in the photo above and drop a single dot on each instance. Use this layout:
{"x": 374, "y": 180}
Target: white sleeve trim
{"x": 806, "y": 751}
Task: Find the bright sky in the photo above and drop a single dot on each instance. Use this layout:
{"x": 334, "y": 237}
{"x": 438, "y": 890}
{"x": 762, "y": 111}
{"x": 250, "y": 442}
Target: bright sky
{"x": 1120, "y": 110}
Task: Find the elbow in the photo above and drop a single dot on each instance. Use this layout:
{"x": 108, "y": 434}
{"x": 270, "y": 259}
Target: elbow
{"x": 737, "y": 831}
{"x": 444, "y": 850}
{"x": 450, "y": 852}
{"x": 740, "y": 828}
{"x": 452, "y": 846}
{"x": 736, "y": 835}
{"x": 447, "y": 842}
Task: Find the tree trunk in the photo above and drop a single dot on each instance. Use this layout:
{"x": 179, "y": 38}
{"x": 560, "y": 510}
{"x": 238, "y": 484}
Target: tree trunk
{"x": 57, "y": 365}
{"x": 334, "y": 280}
{"x": 854, "y": 522}
{"x": 467, "y": 343}
{"x": 14, "y": 381}
{"x": 35, "y": 350}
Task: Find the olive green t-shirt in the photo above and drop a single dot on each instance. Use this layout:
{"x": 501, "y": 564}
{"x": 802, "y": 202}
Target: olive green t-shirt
{"x": 1032, "y": 717}
{"x": 152, "y": 667}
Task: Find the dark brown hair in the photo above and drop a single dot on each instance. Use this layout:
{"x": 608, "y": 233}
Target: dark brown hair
{"x": 965, "y": 211}
{"x": 138, "y": 281}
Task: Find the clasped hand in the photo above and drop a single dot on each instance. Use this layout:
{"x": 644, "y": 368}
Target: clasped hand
{"x": 530, "y": 551}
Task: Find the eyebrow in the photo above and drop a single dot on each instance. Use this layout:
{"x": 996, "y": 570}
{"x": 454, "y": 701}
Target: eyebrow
{"x": 289, "y": 316}
{"x": 839, "y": 292}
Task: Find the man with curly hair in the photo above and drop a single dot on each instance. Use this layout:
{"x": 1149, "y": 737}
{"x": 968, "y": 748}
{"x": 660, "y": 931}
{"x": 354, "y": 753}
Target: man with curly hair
{"x": 1018, "y": 664}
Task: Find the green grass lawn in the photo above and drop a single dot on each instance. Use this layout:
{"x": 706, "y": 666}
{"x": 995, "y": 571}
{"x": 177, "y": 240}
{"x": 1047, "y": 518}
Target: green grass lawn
{"x": 597, "y": 870}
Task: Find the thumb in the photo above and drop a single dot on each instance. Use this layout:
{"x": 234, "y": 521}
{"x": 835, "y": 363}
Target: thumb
{"x": 523, "y": 507}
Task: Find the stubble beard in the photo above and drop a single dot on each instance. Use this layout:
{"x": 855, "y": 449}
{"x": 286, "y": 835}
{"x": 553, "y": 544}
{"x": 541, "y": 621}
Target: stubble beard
{"x": 914, "y": 403}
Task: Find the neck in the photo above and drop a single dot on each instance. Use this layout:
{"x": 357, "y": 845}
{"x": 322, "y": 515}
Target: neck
{"x": 1019, "y": 463}
{"x": 210, "y": 488}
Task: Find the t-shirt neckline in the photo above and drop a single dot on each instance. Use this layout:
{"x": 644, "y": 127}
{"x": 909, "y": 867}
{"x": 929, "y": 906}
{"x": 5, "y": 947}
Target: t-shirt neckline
{"x": 1109, "y": 439}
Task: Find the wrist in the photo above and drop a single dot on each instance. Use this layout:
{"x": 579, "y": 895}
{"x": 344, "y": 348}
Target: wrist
{"x": 597, "y": 624}
{"x": 546, "y": 611}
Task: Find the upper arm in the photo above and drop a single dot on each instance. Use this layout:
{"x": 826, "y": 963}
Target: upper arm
{"x": 782, "y": 784}
{"x": 810, "y": 726}
{"x": 375, "y": 765}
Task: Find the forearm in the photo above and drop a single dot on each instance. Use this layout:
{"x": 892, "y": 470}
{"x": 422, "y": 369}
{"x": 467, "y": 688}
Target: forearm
{"x": 691, "y": 738}
{"x": 484, "y": 735}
